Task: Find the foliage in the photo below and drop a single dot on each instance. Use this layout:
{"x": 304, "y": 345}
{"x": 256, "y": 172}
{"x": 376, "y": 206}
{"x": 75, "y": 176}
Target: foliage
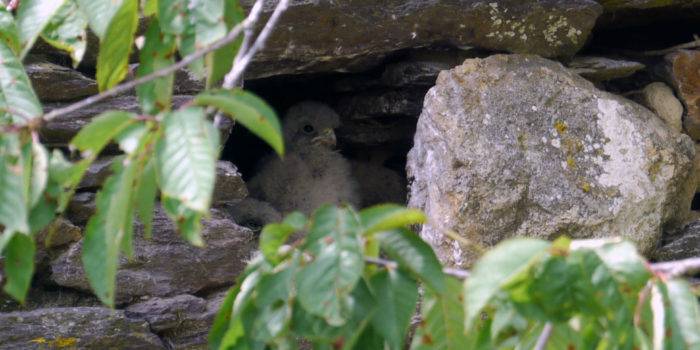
{"x": 593, "y": 294}
{"x": 168, "y": 152}
{"x": 596, "y": 294}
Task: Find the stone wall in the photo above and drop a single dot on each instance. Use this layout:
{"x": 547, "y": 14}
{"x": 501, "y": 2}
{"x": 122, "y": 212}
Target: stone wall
{"x": 547, "y": 119}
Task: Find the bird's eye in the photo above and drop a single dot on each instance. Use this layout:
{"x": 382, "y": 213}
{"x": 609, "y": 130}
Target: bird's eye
{"x": 308, "y": 129}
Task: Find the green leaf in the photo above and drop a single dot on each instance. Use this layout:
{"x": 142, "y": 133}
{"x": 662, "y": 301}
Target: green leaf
{"x": 19, "y": 265}
{"x": 9, "y": 34}
{"x": 173, "y": 16}
{"x": 442, "y": 319}
{"x": 274, "y": 235}
{"x": 274, "y": 293}
{"x": 13, "y": 206}
{"x": 158, "y": 53}
{"x": 249, "y": 110}
{"x": 186, "y": 158}
{"x": 146, "y": 192}
{"x": 149, "y": 7}
{"x": 106, "y": 230}
{"x": 220, "y": 61}
{"x": 115, "y": 47}
{"x": 65, "y": 173}
{"x": 323, "y": 283}
{"x": 40, "y": 172}
{"x": 99, "y": 13}
{"x": 32, "y": 17}
{"x": 223, "y": 317}
{"x": 132, "y": 136}
{"x": 497, "y": 268}
{"x": 66, "y": 31}
{"x": 413, "y": 254}
{"x": 15, "y": 89}
{"x": 41, "y": 214}
{"x": 101, "y": 130}
{"x": 683, "y": 313}
{"x": 387, "y": 216}
{"x": 187, "y": 220}
{"x": 397, "y": 295}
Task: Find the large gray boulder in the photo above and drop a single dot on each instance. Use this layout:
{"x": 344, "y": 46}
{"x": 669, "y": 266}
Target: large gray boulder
{"x": 517, "y": 145}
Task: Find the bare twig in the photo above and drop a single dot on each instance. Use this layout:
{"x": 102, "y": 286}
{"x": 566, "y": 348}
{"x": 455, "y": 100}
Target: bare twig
{"x": 240, "y": 66}
{"x": 229, "y": 38}
{"x": 544, "y": 337}
{"x": 677, "y": 267}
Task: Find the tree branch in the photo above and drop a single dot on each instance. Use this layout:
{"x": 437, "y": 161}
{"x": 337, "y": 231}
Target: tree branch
{"x": 677, "y": 267}
{"x": 242, "y": 62}
{"x": 232, "y": 35}
{"x": 544, "y": 337}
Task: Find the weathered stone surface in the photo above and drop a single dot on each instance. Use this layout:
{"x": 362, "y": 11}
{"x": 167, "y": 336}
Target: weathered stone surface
{"x": 52, "y": 82}
{"x": 683, "y": 244}
{"x": 659, "y": 98}
{"x": 229, "y": 186}
{"x": 96, "y": 173}
{"x": 329, "y": 35}
{"x": 168, "y": 265}
{"x": 167, "y": 313}
{"x": 42, "y": 298}
{"x": 393, "y": 102}
{"x": 599, "y": 69}
{"x": 684, "y": 76}
{"x": 62, "y": 232}
{"x": 81, "y": 207}
{"x": 421, "y": 67}
{"x": 516, "y": 145}
{"x": 75, "y": 328}
{"x": 59, "y": 131}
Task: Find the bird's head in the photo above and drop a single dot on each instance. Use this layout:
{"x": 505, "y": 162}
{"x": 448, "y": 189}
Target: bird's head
{"x": 310, "y": 124}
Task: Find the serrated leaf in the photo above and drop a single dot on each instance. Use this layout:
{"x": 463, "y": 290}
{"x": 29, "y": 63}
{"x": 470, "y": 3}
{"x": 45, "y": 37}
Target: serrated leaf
{"x": 13, "y": 206}
{"x": 66, "y": 31}
{"x": 625, "y": 263}
{"x": 115, "y": 47}
{"x": 249, "y": 110}
{"x": 99, "y": 13}
{"x": 387, "y": 216}
{"x": 16, "y": 91}
{"x": 222, "y": 322}
{"x": 274, "y": 291}
{"x": 158, "y": 53}
{"x": 442, "y": 319}
{"x": 32, "y": 17}
{"x": 186, "y": 158}
{"x": 65, "y": 173}
{"x": 397, "y": 295}
{"x": 683, "y": 313}
{"x": 130, "y": 138}
{"x": 220, "y": 61}
{"x": 413, "y": 254}
{"x": 188, "y": 221}
{"x": 40, "y": 172}
{"x": 323, "y": 283}
{"x": 101, "y": 130}
{"x": 498, "y": 267}
{"x": 106, "y": 230}
{"x": 19, "y": 265}
{"x": 9, "y": 34}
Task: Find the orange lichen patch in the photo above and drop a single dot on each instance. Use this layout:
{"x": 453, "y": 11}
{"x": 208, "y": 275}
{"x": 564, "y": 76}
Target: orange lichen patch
{"x": 56, "y": 343}
{"x": 561, "y": 127}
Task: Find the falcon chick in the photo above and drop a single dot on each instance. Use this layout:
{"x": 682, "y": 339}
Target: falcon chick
{"x": 312, "y": 172}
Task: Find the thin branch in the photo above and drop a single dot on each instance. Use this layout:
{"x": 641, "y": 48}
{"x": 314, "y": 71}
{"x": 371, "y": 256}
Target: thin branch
{"x": 544, "y": 337}
{"x": 229, "y": 38}
{"x": 677, "y": 267}
{"x": 238, "y": 69}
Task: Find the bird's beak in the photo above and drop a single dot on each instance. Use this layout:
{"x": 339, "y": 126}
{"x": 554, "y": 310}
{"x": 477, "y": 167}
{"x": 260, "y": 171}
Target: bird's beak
{"x": 327, "y": 137}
